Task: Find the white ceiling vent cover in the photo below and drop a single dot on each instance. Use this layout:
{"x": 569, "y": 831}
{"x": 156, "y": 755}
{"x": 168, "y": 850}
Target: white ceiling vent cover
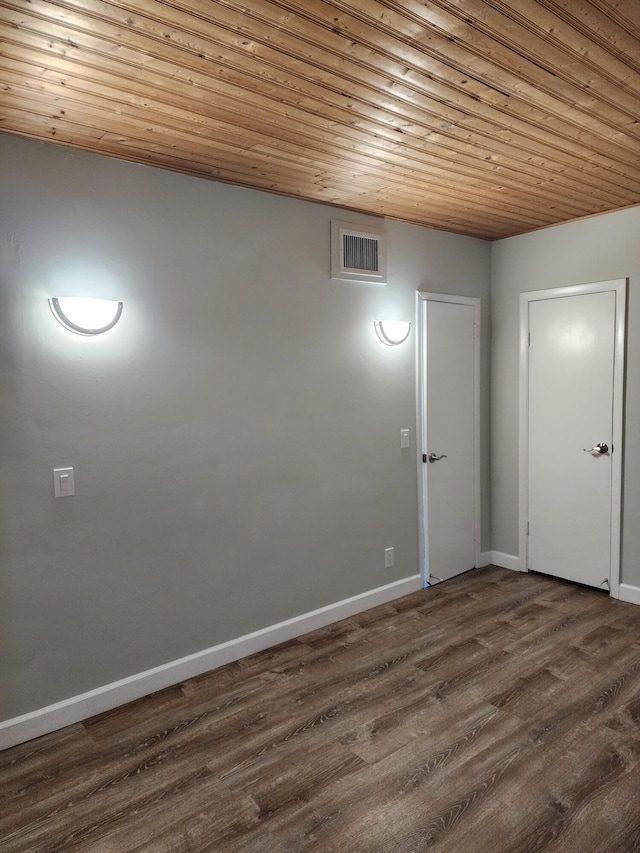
{"x": 358, "y": 253}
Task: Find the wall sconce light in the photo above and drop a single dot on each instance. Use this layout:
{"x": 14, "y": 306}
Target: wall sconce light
{"x": 392, "y": 332}
{"x": 86, "y": 316}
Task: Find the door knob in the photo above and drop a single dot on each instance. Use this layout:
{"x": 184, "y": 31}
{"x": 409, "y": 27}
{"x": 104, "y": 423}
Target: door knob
{"x": 602, "y": 447}
{"x": 433, "y": 457}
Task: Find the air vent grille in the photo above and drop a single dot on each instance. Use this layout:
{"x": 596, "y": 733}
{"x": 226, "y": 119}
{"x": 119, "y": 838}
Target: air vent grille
{"x": 358, "y": 253}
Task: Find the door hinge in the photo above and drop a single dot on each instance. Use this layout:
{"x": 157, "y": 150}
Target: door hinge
{"x": 527, "y": 528}
{"x": 529, "y": 339}
{"x": 424, "y": 457}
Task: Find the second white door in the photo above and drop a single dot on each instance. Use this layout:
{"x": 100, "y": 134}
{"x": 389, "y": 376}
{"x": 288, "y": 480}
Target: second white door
{"x": 571, "y": 436}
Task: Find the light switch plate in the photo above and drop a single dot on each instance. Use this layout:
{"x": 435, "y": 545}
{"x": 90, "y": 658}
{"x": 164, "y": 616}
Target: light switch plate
{"x": 404, "y": 438}
{"x": 63, "y": 482}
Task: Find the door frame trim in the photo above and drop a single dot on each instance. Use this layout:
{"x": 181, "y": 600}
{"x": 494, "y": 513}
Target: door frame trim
{"x": 422, "y": 298}
{"x": 619, "y": 287}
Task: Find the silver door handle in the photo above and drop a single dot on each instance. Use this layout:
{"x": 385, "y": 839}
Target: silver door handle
{"x": 599, "y": 448}
{"x": 433, "y": 457}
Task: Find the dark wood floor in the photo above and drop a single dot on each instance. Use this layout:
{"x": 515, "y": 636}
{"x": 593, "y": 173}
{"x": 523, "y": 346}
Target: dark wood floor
{"x": 496, "y": 713}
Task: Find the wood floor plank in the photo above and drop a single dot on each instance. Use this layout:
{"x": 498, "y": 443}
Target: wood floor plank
{"x": 605, "y": 825}
{"x": 372, "y": 815}
{"x": 495, "y": 712}
{"x": 545, "y": 795}
{"x": 227, "y": 817}
{"x": 25, "y": 764}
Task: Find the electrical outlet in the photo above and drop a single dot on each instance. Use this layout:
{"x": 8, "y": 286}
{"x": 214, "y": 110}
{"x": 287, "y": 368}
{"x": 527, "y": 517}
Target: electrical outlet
{"x": 389, "y": 558}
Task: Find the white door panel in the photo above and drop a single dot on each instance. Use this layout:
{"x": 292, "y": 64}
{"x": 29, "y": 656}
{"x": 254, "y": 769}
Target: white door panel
{"x": 571, "y": 376}
{"x": 450, "y": 433}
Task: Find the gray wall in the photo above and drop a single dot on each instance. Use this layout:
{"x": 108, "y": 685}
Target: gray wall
{"x": 597, "y": 249}
{"x": 235, "y": 438}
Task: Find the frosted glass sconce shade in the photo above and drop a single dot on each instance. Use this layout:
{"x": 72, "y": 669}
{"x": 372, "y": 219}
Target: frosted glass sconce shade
{"x": 392, "y": 332}
{"x": 86, "y": 316}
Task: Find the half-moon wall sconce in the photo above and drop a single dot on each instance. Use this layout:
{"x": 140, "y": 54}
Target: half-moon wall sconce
{"x": 392, "y": 332}
{"x": 86, "y": 316}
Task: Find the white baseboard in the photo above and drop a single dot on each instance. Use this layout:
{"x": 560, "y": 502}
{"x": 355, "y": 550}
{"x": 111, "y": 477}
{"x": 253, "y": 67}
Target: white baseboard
{"x": 77, "y": 708}
{"x": 498, "y": 558}
{"x": 627, "y": 592}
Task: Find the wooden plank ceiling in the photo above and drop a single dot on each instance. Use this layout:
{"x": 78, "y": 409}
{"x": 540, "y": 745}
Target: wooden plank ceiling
{"x": 483, "y": 118}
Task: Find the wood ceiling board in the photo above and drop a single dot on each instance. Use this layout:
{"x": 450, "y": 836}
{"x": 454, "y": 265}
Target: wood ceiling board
{"x": 119, "y": 35}
{"x": 181, "y": 120}
{"x": 485, "y": 118}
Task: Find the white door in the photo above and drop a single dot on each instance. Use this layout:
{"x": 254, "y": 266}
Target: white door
{"x": 572, "y": 438}
{"x": 450, "y": 414}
